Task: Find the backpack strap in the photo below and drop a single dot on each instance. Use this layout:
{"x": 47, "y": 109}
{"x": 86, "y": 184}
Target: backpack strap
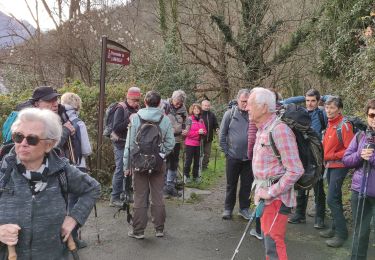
{"x": 63, "y": 181}
{"x": 358, "y": 136}
{"x": 323, "y": 124}
{"x": 272, "y": 141}
{"x": 339, "y": 129}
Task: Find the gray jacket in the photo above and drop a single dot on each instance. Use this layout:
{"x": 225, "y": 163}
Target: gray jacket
{"x": 41, "y": 216}
{"x": 233, "y": 134}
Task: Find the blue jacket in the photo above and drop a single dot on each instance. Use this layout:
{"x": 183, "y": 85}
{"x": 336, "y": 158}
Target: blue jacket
{"x": 316, "y": 115}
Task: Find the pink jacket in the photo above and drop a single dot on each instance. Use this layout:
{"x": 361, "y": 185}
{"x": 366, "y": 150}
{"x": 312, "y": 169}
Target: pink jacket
{"x": 193, "y": 137}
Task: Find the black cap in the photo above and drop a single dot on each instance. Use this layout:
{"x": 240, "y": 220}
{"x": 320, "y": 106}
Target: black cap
{"x": 44, "y": 93}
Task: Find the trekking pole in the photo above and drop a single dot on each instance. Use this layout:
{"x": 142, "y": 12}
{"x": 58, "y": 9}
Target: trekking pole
{"x": 12, "y": 255}
{"x": 72, "y": 248}
{"x": 71, "y": 151}
{"x": 256, "y": 214}
{"x": 362, "y": 195}
{"x": 95, "y": 209}
{"x": 215, "y": 159}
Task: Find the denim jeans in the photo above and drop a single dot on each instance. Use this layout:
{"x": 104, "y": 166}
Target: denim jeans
{"x": 361, "y": 225}
{"x": 118, "y": 175}
{"x": 335, "y": 178}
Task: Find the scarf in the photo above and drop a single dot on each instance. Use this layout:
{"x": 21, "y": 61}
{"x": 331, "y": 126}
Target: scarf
{"x": 37, "y": 179}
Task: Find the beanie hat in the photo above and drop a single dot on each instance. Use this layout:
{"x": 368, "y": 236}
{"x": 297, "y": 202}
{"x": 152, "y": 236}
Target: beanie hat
{"x": 134, "y": 92}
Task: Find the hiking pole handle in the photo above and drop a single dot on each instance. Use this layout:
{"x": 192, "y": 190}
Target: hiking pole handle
{"x": 72, "y": 247}
{"x": 12, "y": 255}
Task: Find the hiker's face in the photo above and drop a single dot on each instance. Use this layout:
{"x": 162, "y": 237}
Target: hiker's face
{"x": 332, "y": 110}
{"x": 177, "y": 103}
{"x": 242, "y": 102}
{"x": 206, "y": 105}
{"x": 311, "y": 103}
{"x": 133, "y": 102}
{"x": 32, "y": 154}
{"x": 371, "y": 118}
{"x": 256, "y": 111}
{"x": 196, "y": 111}
{"x": 52, "y": 104}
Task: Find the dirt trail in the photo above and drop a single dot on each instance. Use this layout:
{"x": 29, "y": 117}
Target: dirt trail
{"x": 197, "y": 232}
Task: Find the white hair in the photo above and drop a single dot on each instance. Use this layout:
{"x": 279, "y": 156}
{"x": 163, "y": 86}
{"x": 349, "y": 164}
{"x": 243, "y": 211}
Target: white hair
{"x": 265, "y": 96}
{"x": 49, "y": 119}
{"x": 179, "y": 95}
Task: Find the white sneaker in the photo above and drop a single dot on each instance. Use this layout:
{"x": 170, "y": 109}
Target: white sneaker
{"x": 254, "y": 233}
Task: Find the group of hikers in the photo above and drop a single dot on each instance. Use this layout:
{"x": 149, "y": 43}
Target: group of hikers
{"x": 46, "y": 193}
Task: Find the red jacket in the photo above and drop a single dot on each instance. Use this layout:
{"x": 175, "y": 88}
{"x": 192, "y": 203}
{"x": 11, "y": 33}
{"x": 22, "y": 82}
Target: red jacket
{"x": 333, "y": 149}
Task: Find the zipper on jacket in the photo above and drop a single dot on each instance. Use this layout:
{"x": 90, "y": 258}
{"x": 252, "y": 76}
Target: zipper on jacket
{"x": 32, "y": 225}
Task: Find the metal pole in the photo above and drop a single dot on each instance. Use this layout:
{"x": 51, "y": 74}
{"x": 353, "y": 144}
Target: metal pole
{"x": 101, "y": 104}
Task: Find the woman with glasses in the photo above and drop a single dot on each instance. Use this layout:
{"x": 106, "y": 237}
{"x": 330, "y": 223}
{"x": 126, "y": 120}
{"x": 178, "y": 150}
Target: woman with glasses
{"x": 360, "y": 155}
{"x": 33, "y": 214}
{"x": 336, "y": 140}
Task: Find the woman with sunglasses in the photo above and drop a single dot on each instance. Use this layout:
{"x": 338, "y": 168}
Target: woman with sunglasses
{"x": 360, "y": 155}
{"x": 33, "y": 211}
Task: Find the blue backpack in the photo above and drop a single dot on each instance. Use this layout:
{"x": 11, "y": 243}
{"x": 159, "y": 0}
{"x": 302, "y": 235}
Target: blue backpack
{"x": 6, "y": 133}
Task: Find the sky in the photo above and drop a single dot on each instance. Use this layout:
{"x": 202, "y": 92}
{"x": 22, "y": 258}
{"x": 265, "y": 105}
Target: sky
{"x": 19, "y": 9}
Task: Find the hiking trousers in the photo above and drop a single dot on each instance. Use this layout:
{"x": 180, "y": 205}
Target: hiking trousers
{"x": 274, "y": 222}
{"x": 146, "y": 186}
{"x": 192, "y": 156}
{"x": 236, "y": 169}
{"x": 335, "y": 178}
{"x": 319, "y": 197}
{"x": 206, "y": 153}
{"x": 361, "y": 239}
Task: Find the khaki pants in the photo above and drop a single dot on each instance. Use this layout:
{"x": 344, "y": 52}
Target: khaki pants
{"x": 146, "y": 186}
{"x": 207, "y": 154}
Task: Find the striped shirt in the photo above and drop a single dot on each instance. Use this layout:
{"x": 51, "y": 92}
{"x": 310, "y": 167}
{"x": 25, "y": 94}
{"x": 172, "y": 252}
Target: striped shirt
{"x": 265, "y": 163}
{"x": 251, "y": 136}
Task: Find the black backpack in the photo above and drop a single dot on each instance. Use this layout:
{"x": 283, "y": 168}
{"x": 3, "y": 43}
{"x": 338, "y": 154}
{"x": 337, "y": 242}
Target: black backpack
{"x": 309, "y": 146}
{"x": 76, "y": 142}
{"x": 145, "y": 156}
{"x": 357, "y": 125}
{"x": 109, "y": 116}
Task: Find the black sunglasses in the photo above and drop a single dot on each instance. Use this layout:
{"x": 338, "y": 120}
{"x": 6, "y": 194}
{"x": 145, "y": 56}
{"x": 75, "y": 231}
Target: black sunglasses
{"x": 372, "y": 116}
{"x": 30, "y": 139}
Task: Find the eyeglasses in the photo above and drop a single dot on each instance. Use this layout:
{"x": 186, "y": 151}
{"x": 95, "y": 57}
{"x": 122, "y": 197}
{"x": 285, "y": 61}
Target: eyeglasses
{"x": 30, "y": 139}
{"x": 372, "y": 116}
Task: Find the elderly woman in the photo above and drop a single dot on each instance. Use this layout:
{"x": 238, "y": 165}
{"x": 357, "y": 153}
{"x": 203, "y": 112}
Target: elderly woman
{"x": 33, "y": 183}
{"x": 360, "y": 155}
{"x": 176, "y": 111}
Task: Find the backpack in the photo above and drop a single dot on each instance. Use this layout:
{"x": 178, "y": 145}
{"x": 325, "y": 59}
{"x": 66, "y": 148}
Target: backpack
{"x": 109, "y": 116}
{"x": 145, "y": 156}
{"x": 76, "y": 141}
{"x": 357, "y": 125}
{"x": 310, "y": 149}
{"x": 323, "y": 123}
{"x": 6, "y": 133}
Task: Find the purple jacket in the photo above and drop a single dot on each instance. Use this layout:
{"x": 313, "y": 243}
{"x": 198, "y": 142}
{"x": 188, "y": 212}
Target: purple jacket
{"x": 352, "y": 159}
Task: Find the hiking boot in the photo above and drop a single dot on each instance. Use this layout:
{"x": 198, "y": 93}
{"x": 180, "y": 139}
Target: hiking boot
{"x": 227, "y": 214}
{"x": 254, "y": 233}
{"x": 115, "y": 203}
{"x": 171, "y": 191}
{"x": 335, "y": 242}
{"x": 180, "y": 185}
{"x": 136, "y": 236}
{"x": 296, "y": 219}
{"x": 327, "y": 233}
{"x": 319, "y": 223}
{"x": 80, "y": 243}
{"x": 159, "y": 233}
{"x": 245, "y": 213}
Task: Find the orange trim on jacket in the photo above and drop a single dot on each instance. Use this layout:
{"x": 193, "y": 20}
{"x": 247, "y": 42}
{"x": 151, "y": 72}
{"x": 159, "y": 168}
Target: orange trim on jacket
{"x": 333, "y": 149}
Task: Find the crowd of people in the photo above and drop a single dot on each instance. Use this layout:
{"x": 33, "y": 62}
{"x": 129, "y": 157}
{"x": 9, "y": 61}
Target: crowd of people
{"x": 44, "y": 171}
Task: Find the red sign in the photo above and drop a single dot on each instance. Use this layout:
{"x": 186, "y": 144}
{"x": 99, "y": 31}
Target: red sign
{"x": 117, "y": 57}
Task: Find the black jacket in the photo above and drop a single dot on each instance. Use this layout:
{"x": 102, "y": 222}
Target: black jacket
{"x": 210, "y": 121}
{"x": 120, "y": 123}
